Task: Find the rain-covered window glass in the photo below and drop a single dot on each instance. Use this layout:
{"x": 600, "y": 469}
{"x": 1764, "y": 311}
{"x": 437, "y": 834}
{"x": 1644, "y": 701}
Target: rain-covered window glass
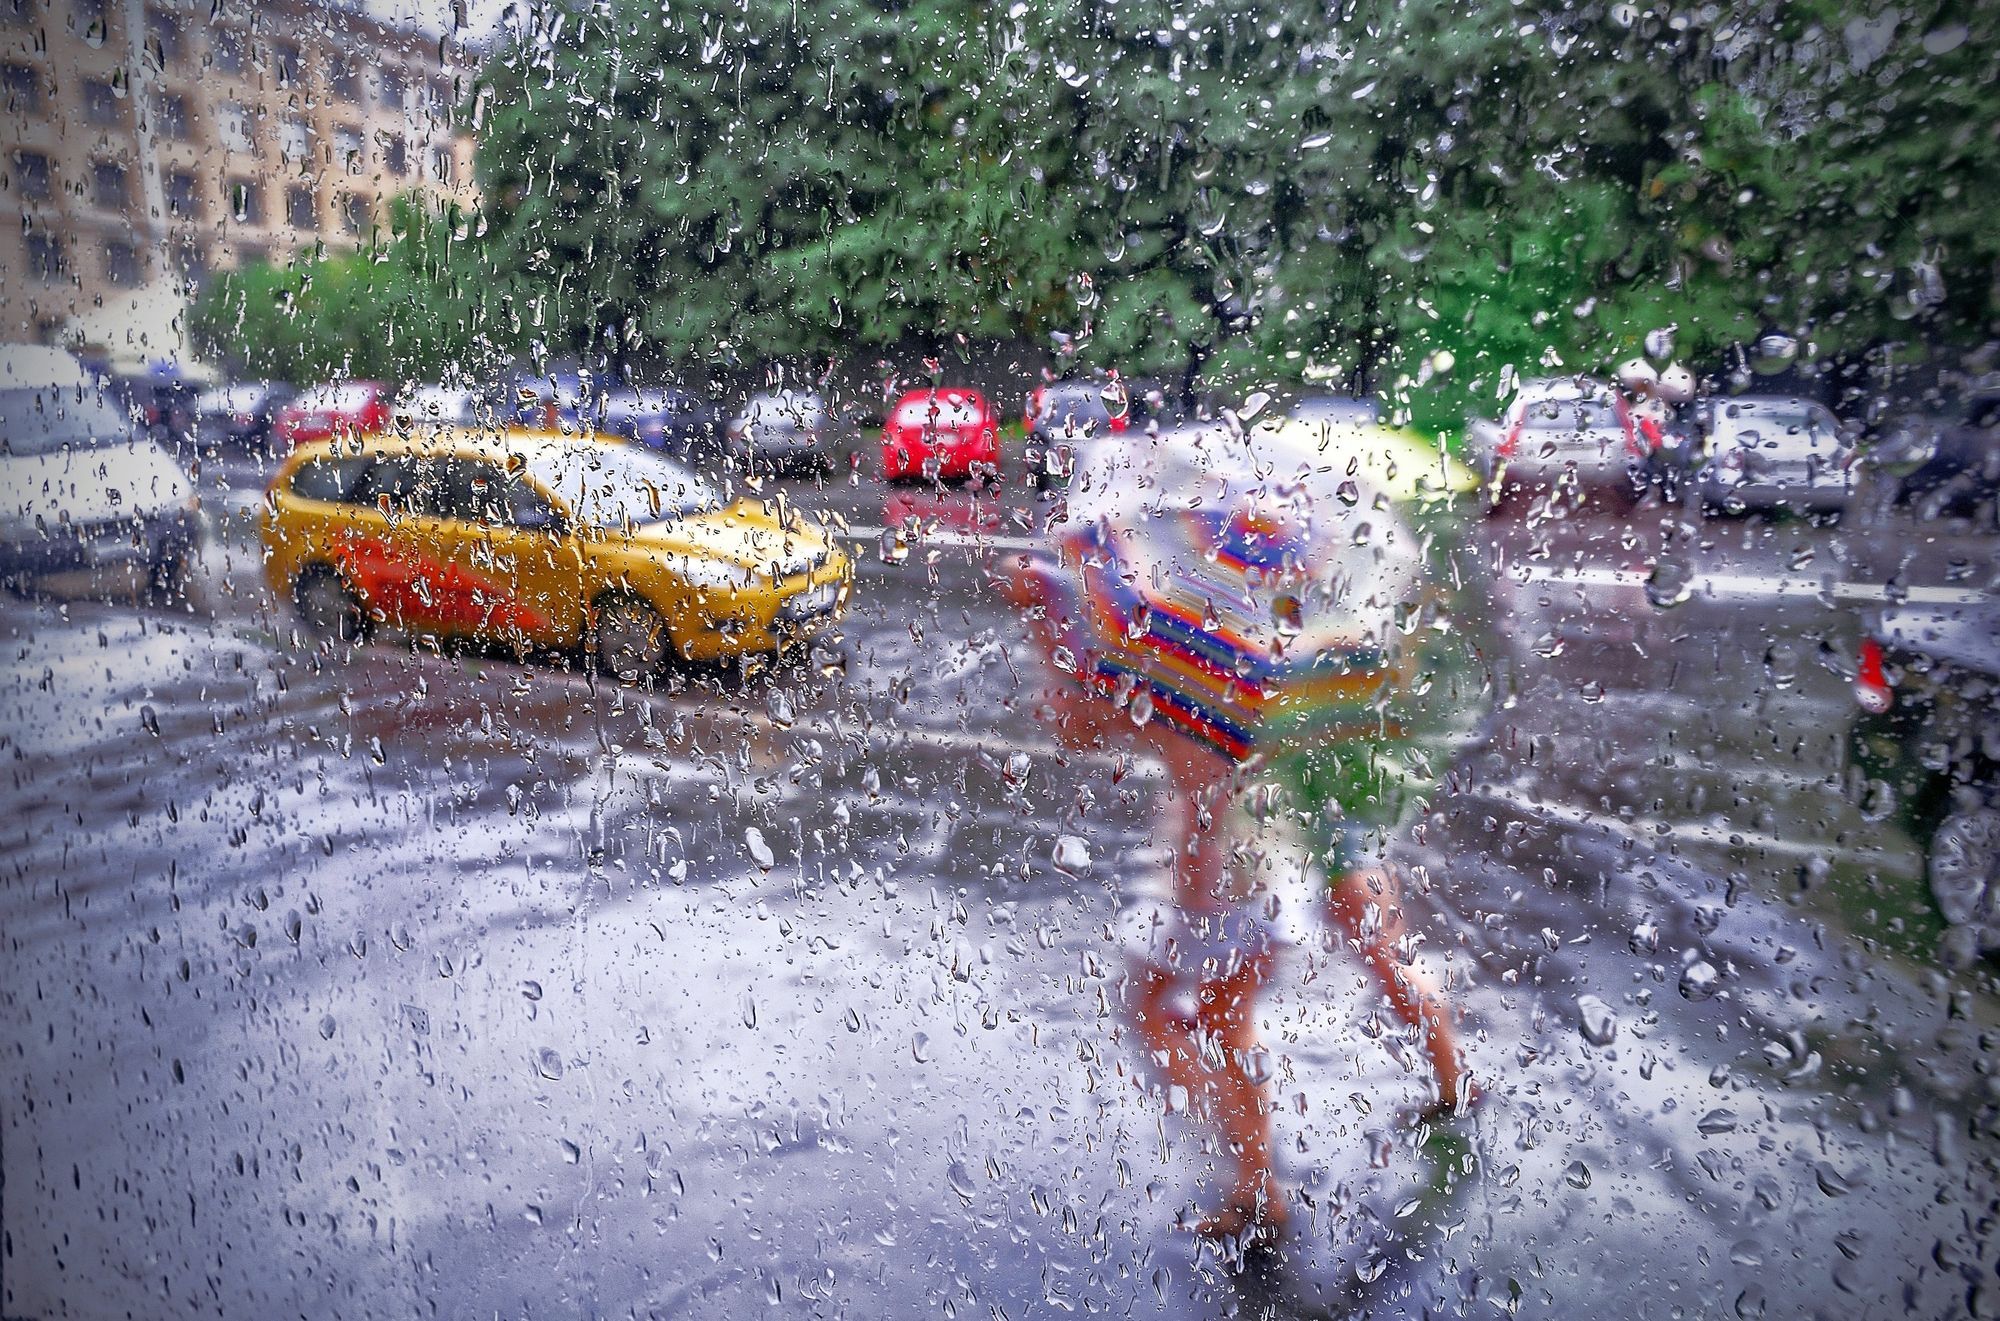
{"x": 101, "y": 102}
{"x": 664, "y": 658}
{"x": 110, "y": 187}
{"x": 21, "y": 84}
{"x": 31, "y": 176}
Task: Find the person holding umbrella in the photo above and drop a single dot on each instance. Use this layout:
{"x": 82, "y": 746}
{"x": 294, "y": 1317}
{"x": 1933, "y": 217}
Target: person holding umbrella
{"x": 1241, "y": 606}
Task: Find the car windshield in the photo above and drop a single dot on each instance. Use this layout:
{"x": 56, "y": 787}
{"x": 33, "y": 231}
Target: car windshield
{"x": 614, "y": 486}
{"x": 349, "y": 398}
{"x": 942, "y": 410}
{"x": 43, "y": 421}
{"x": 1081, "y": 405}
{"x": 233, "y": 399}
{"x": 1570, "y": 415}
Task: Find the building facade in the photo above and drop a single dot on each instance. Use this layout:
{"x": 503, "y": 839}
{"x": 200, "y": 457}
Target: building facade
{"x": 149, "y": 144}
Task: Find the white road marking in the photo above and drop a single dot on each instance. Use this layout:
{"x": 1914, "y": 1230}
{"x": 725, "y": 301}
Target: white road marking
{"x": 949, "y": 537}
{"x": 1653, "y": 830}
{"x": 1751, "y": 587}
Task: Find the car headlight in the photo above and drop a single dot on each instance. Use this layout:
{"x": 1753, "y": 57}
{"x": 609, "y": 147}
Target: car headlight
{"x": 716, "y": 575}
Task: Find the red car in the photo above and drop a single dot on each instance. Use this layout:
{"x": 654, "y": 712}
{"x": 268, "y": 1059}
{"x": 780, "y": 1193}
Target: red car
{"x": 953, "y": 426}
{"x": 349, "y": 408}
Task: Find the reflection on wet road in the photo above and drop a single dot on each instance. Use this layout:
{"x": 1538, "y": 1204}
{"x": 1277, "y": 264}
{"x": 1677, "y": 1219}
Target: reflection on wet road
{"x": 335, "y": 985}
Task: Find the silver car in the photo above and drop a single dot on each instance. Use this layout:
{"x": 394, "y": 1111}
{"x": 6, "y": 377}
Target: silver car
{"x": 1573, "y": 431}
{"x": 1773, "y": 452}
{"x": 781, "y": 430}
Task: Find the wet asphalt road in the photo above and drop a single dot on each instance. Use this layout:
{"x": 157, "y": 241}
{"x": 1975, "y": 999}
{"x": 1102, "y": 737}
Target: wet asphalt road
{"x": 433, "y": 983}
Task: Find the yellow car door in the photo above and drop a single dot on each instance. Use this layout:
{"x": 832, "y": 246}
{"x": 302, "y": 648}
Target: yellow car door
{"x": 511, "y": 572}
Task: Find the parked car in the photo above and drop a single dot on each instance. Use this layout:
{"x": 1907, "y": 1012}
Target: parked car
{"x": 677, "y": 423}
{"x": 560, "y": 400}
{"x": 349, "y": 408}
{"x": 242, "y": 416}
{"x": 1337, "y": 410}
{"x": 1773, "y": 452}
{"x": 80, "y": 487}
{"x": 1556, "y": 434}
{"x": 1928, "y": 681}
{"x": 1942, "y": 466}
{"x": 445, "y": 405}
{"x": 161, "y": 396}
{"x": 536, "y": 539}
{"x": 1063, "y": 414}
{"x": 940, "y": 433}
{"x": 783, "y": 430}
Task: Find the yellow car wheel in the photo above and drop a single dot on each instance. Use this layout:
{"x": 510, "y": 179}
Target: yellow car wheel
{"x": 628, "y": 639}
{"x": 328, "y": 607}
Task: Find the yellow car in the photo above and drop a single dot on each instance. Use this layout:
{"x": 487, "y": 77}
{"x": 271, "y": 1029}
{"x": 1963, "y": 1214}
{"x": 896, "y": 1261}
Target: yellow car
{"x": 533, "y": 538}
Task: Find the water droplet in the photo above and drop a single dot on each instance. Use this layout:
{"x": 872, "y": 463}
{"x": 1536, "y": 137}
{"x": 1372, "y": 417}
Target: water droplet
{"x": 571, "y": 1152}
{"x": 532, "y": 990}
{"x": 760, "y": 852}
{"x": 1072, "y": 855}
{"x": 1645, "y": 938}
{"x": 1700, "y": 980}
{"x": 1577, "y": 1175}
{"x": 549, "y": 1064}
{"x": 920, "y": 1048}
{"x": 1831, "y": 1181}
{"x": 1716, "y": 1121}
{"x": 326, "y": 1028}
{"x": 1669, "y": 584}
{"x": 1595, "y": 1020}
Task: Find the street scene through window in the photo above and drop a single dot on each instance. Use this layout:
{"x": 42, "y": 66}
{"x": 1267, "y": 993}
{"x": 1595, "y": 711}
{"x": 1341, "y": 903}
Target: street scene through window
{"x": 908, "y": 658}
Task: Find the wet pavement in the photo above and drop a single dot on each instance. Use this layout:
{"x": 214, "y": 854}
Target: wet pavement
{"x": 422, "y": 980}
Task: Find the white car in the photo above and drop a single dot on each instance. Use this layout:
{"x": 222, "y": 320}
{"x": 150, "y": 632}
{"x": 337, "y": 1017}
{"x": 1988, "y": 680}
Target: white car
{"x": 1774, "y": 452}
{"x": 448, "y": 405}
{"x": 80, "y": 487}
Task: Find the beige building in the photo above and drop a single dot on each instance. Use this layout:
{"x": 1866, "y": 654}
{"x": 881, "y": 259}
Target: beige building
{"x": 151, "y": 143}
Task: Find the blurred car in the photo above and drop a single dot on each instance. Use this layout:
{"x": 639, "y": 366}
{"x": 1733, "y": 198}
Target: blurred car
{"x": 1942, "y": 466}
{"x": 242, "y": 416}
{"x": 444, "y": 405}
{"x": 564, "y": 399}
{"x": 677, "y": 423}
{"x": 539, "y": 539}
{"x": 1557, "y": 433}
{"x": 784, "y": 430}
{"x": 1928, "y": 681}
{"x": 80, "y": 488}
{"x": 939, "y": 433}
{"x": 161, "y": 395}
{"x": 1773, "y": 452}
{"x": 349, "y": 408}
{"x": 1338, "y": 409}
{"x": 1063, "y": 414}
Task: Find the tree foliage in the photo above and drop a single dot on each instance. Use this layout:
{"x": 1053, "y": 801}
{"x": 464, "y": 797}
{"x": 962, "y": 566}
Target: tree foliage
{"x": 1416, "y": 196}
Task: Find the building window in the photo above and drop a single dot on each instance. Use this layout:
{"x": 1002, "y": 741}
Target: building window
{"x": 290, "y": 65}
{"x": 230, "y": 53}
{"x": 246, "y": 201}
{"x": 31, "y": 176}
{"x": 183, "y": 194}
{"x": 107, "y": 186}
{"x": 233, "y": 126}
{"x": 353, "y": 213}
{"x": 191, "y": 265}
{"x": 251, "y": 254}
{"x": 100, "y": 101}
{"x": 121, "y": 263}
{"x": 295, "y": 140}
{"x": 341, "y": 79}
{"x": 347, "y": 151}
{"x": 23, "y": 88}
{"x": 395, "y": 155}
{"x": 170, "y": 117}
{"x": 165, "y": 42}
{"x": 395, "y": 89}
{"x": 45, "y": 258}
{"x": 301, "y": 211}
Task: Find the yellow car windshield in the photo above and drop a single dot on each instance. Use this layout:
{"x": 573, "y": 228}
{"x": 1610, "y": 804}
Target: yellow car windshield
{"x": 612, "y": 486}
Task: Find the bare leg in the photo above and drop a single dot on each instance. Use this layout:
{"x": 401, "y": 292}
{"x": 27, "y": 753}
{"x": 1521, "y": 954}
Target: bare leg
{"x": 1225, "y": 1011}
{"x": 1411, "y": 995}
